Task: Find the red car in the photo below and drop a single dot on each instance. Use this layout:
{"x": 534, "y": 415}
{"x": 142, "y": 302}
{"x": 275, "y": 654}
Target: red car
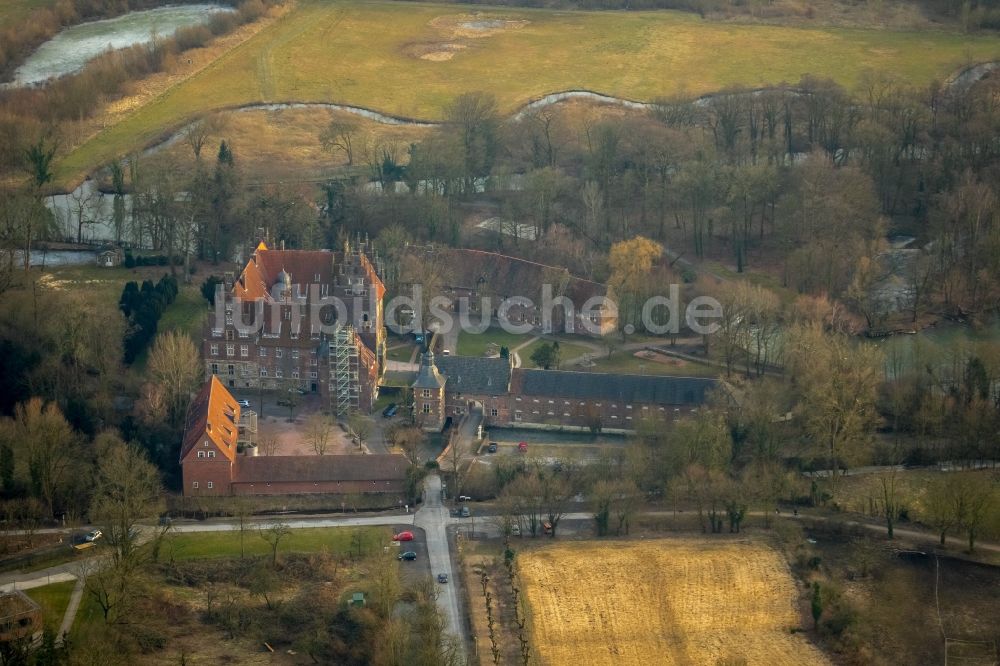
{"x": 403, "y": 536}
{"x": 522, "y": 447}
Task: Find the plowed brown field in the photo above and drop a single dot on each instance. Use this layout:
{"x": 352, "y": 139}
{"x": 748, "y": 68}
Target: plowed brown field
{"x": 676, "y": 601}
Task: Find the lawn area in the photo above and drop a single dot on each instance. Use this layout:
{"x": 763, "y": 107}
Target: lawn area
{"x": 624, "y": 362}
{"x": 401, "y": 353}
{"x": 194, "y": 545}
{"x": 567, "y": 351}
{"x": 475, "y": 344}
{"x": 53, "y": 599}
{"x": 387, "y": 56}
{"x": 187, "y": 313}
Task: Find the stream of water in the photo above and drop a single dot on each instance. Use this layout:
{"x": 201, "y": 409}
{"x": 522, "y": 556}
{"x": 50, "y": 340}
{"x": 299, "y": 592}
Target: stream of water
{"x": 77, "y": 45}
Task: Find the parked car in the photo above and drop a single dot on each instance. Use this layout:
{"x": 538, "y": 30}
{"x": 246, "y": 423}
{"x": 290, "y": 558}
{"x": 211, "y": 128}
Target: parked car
{"x": 547, "y": 527}
{"x": 295, "y": 389}
{"x": 94, "y": 536}
{"x": 464, "y": 498}
{"x": 403, "y": 536}
{"x": 492, "y": 448}
{"x": 445, "y": 352}
{"x": 408, "y": 555}
{"x": 390, "y": 411}
{"x": 522, "y": 447}
{"x": 465, "y": 512}
{"x": 243, "y": 403}
{"x": 442, "y": 578}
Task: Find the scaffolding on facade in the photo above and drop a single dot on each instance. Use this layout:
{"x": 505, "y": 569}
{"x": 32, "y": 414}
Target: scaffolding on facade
{"x": 344, "y": 396}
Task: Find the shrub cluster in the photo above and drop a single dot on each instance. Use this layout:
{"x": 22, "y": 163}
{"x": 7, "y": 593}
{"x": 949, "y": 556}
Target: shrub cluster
{"x": 143, "y": 307}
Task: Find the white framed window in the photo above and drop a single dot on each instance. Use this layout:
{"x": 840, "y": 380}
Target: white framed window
{"x": 494, "y": 412}
{"x": 195, "y": 485}
{"x": 210, "y": 485}
{"x": 295, "y": 353}
{"x": 230, "y": 350}
{"x": 214, "y": 349}
{"x": 201, "y": 454}
{"x": 427, "y": 393}
{"x": 215, "y": 368}
{"x": 278, "y": 353}
{"x": 262, "y": 352}
{"x": 244, "y": 333}
{"x": 244, "y": 351}
{"x": 287, "y": 314}
{"x": 517, "y": 415}
{"x": 263, "y": 372}
{"x": 427, "y": 408}
{"x": 295, "y": 374}
{"x": 313, "y": 375}
{"x": 279, "y": 374}
{"x": 211, "y": 454}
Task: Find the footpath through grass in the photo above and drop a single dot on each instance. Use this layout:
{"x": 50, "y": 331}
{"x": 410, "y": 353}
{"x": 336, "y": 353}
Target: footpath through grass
{"x": 369, "y": 55}
{"x": 53, "y": 599}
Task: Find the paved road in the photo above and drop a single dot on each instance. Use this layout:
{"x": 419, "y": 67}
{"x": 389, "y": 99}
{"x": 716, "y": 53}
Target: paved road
{"x": 433, "y": 519}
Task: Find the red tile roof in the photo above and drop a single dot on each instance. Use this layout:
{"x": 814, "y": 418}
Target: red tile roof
{"x": 212, "y": 417}
{"x": 316, "y": 469}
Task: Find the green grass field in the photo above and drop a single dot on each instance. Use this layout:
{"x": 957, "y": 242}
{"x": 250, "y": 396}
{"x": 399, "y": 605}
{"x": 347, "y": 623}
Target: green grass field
{"x": 193, "y": 545}
{"x": 53, "y": 599}
{"x": 475, "y": 344}
{"x": 625, "y": 362}
{"x": 365, "y": 54}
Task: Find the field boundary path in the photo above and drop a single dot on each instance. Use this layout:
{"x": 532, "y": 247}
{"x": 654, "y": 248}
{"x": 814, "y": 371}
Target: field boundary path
{"x": 71, "y": 609}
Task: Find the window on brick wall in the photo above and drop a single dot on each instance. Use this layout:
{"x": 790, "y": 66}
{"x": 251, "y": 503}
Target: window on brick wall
{"x": 201, "y": 454}
{"x": 279, "y": 374}
{"x": 262, "y": 352}
{"x": 277, "y": 353}
{"x": 427, "y": 393}
{"x": 427, "y": 408}
{"x": 210, "y": 485}
{"x": 195, "y": 485}
{"x": 263, "y": 372}
{"x": 494, "y": 412}
{"x": 295, "y": 353}
{"x": 214, "y": 350}
{"x": 230, "y": 350}
{"x": 215, "y": 368}
{"x": 244, "y": 351}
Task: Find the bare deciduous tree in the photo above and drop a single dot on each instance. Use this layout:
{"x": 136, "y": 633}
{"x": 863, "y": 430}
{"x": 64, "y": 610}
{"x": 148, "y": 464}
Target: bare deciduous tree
{"x": 175, "y": 365}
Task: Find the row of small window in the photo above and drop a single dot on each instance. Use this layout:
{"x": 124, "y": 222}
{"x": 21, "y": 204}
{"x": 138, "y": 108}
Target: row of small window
{"x": 206, "y": 454}
{"x": 261, "y": 351}
{"x": 566, "y": 402}
{"x": 208, "y": 484}
{"x": 280, "y": 374}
